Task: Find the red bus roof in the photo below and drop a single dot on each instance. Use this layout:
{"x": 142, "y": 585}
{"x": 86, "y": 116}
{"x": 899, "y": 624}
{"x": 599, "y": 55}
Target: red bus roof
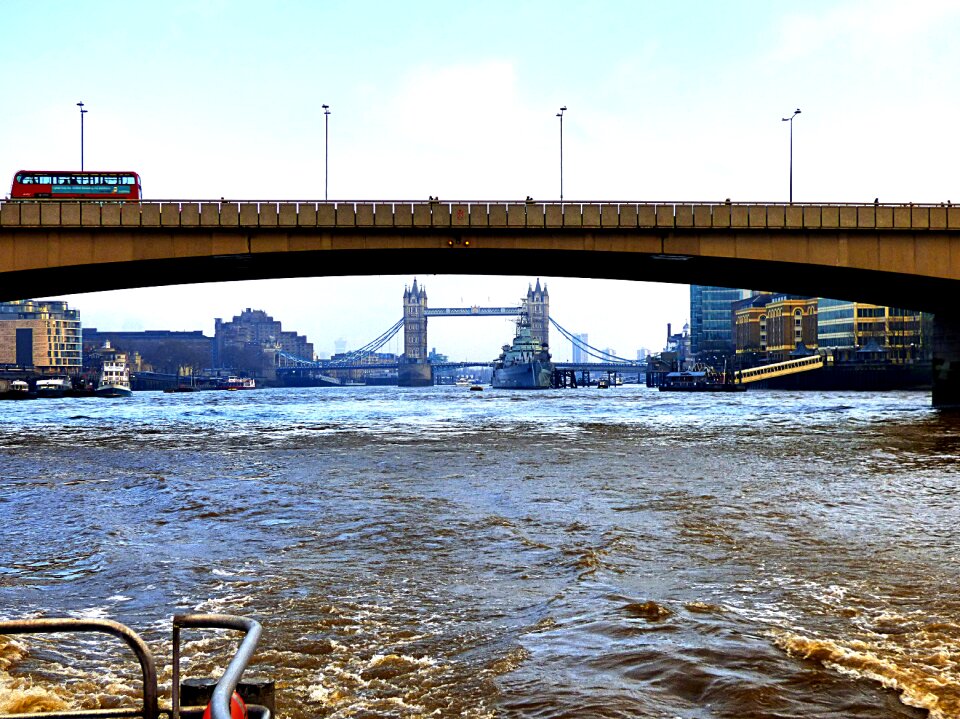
{"x": 77, "y": 172}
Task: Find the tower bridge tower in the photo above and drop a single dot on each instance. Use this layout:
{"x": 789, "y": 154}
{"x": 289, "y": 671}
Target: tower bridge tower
{"x": 536, "y": 305}
{"x": 414, "y": 368}
{"x": 415, "y": 323}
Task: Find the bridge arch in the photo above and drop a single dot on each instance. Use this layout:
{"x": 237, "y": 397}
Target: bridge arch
{"x": 892, "y": 255}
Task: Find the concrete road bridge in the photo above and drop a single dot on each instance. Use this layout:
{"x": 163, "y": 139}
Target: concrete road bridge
{"x": 898, "y": 255}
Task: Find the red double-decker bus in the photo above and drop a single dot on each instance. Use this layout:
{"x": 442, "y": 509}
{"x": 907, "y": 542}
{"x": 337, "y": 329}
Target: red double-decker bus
{"x": 63, "y": 185}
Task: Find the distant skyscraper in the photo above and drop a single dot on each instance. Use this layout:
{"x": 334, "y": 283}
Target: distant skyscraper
{"x": 339, "y": 346}
{"x": 711, "y": 319}
{"x": 579, "y": 355}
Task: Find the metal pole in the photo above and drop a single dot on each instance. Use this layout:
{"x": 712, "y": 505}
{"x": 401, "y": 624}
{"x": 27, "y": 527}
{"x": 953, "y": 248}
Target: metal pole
{"x": 326, "y": 152}
{"x": 790, "y": 120}
{"x": 560, "y": 115}
{"x": 791, "y": 160}
{"x": 82, "y": 113}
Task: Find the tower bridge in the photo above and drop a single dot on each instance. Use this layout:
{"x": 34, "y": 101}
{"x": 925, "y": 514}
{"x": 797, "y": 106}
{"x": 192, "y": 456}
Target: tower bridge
{"x": 415, "y": 369}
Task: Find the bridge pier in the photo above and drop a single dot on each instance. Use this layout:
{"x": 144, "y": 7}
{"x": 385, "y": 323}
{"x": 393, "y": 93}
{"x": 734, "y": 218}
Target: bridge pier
{"x": 414, "y": 374}
{"x": 945, "y": 348}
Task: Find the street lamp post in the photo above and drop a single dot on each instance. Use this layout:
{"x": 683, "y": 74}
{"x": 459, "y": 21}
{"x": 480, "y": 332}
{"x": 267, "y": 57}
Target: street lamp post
{"x": 326, "y": 151}
{"x": 560, "y": 115}
{"x": 82, "y": 113}
{"x": 790, "y": 120}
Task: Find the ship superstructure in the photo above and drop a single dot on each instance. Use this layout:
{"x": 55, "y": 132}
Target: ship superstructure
{"x": 524, "y": 364}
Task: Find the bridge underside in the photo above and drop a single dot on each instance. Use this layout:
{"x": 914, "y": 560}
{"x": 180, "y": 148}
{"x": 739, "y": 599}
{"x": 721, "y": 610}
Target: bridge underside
{"x": 884, "y": 288}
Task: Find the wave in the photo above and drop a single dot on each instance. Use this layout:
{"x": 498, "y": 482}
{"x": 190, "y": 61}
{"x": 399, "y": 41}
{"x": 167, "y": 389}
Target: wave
{"x": 925, "y": 680}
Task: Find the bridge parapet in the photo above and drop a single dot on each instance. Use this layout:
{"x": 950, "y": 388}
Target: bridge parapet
{"x": 186, "y": 214}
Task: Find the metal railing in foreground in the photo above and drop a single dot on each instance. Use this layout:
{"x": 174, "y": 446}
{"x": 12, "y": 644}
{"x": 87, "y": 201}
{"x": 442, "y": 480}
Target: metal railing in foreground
{"x": 220, "y": 701}
{"x": 149, "y": 708}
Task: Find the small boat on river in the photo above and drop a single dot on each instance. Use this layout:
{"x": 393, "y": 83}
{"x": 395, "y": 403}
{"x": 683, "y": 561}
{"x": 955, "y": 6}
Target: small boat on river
{"x": 53, "y": 386}
{"x": 18, "y": 389}
{"x": 701, "y": 379}
{"x": 114, "y": 378}
{"x": 237, "y": 383}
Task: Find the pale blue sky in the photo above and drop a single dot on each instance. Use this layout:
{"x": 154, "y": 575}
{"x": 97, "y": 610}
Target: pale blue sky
{"x": 679, "y": 100}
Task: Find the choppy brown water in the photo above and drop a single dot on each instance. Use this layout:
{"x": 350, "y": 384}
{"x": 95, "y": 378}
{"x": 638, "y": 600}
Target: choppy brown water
{"x": 440, "y": 553}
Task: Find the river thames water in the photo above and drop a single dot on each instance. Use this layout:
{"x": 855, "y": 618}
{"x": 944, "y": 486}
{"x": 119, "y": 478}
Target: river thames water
{"x": 438, "y": 552}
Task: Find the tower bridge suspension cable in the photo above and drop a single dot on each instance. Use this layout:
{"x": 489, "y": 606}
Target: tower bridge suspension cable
{"x": 370, "y": 347}
{"x": 589, "y": 349}
{"x": 356, "y": 356}
{"x": 349, "y": 358}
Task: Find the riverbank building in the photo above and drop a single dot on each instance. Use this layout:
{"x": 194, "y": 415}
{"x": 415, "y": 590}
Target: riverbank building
{"x": 42, "y": 336}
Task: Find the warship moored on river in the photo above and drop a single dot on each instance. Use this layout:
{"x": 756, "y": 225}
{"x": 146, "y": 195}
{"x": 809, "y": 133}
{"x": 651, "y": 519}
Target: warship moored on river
{"x": 525, "y": 364}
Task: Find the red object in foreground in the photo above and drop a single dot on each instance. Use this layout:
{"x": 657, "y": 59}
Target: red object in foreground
{"x": 238, "y": 710}
{"x": 72, "y": 185}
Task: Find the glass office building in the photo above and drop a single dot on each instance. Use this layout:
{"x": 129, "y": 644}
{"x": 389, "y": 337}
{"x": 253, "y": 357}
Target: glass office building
{"x": 711, "y": 319}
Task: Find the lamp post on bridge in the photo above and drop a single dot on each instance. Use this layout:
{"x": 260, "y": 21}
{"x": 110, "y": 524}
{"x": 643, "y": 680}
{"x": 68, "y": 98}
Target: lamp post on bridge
{"x": 82, "y": 113}
{"x": 326, "y": 151}
{"x": 790, "y": 120}
{"x": 560, "y": 115}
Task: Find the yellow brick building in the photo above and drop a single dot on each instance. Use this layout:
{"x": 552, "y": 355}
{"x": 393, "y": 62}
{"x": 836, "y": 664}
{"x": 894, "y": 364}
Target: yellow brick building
{"x": 775, "y": 325}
